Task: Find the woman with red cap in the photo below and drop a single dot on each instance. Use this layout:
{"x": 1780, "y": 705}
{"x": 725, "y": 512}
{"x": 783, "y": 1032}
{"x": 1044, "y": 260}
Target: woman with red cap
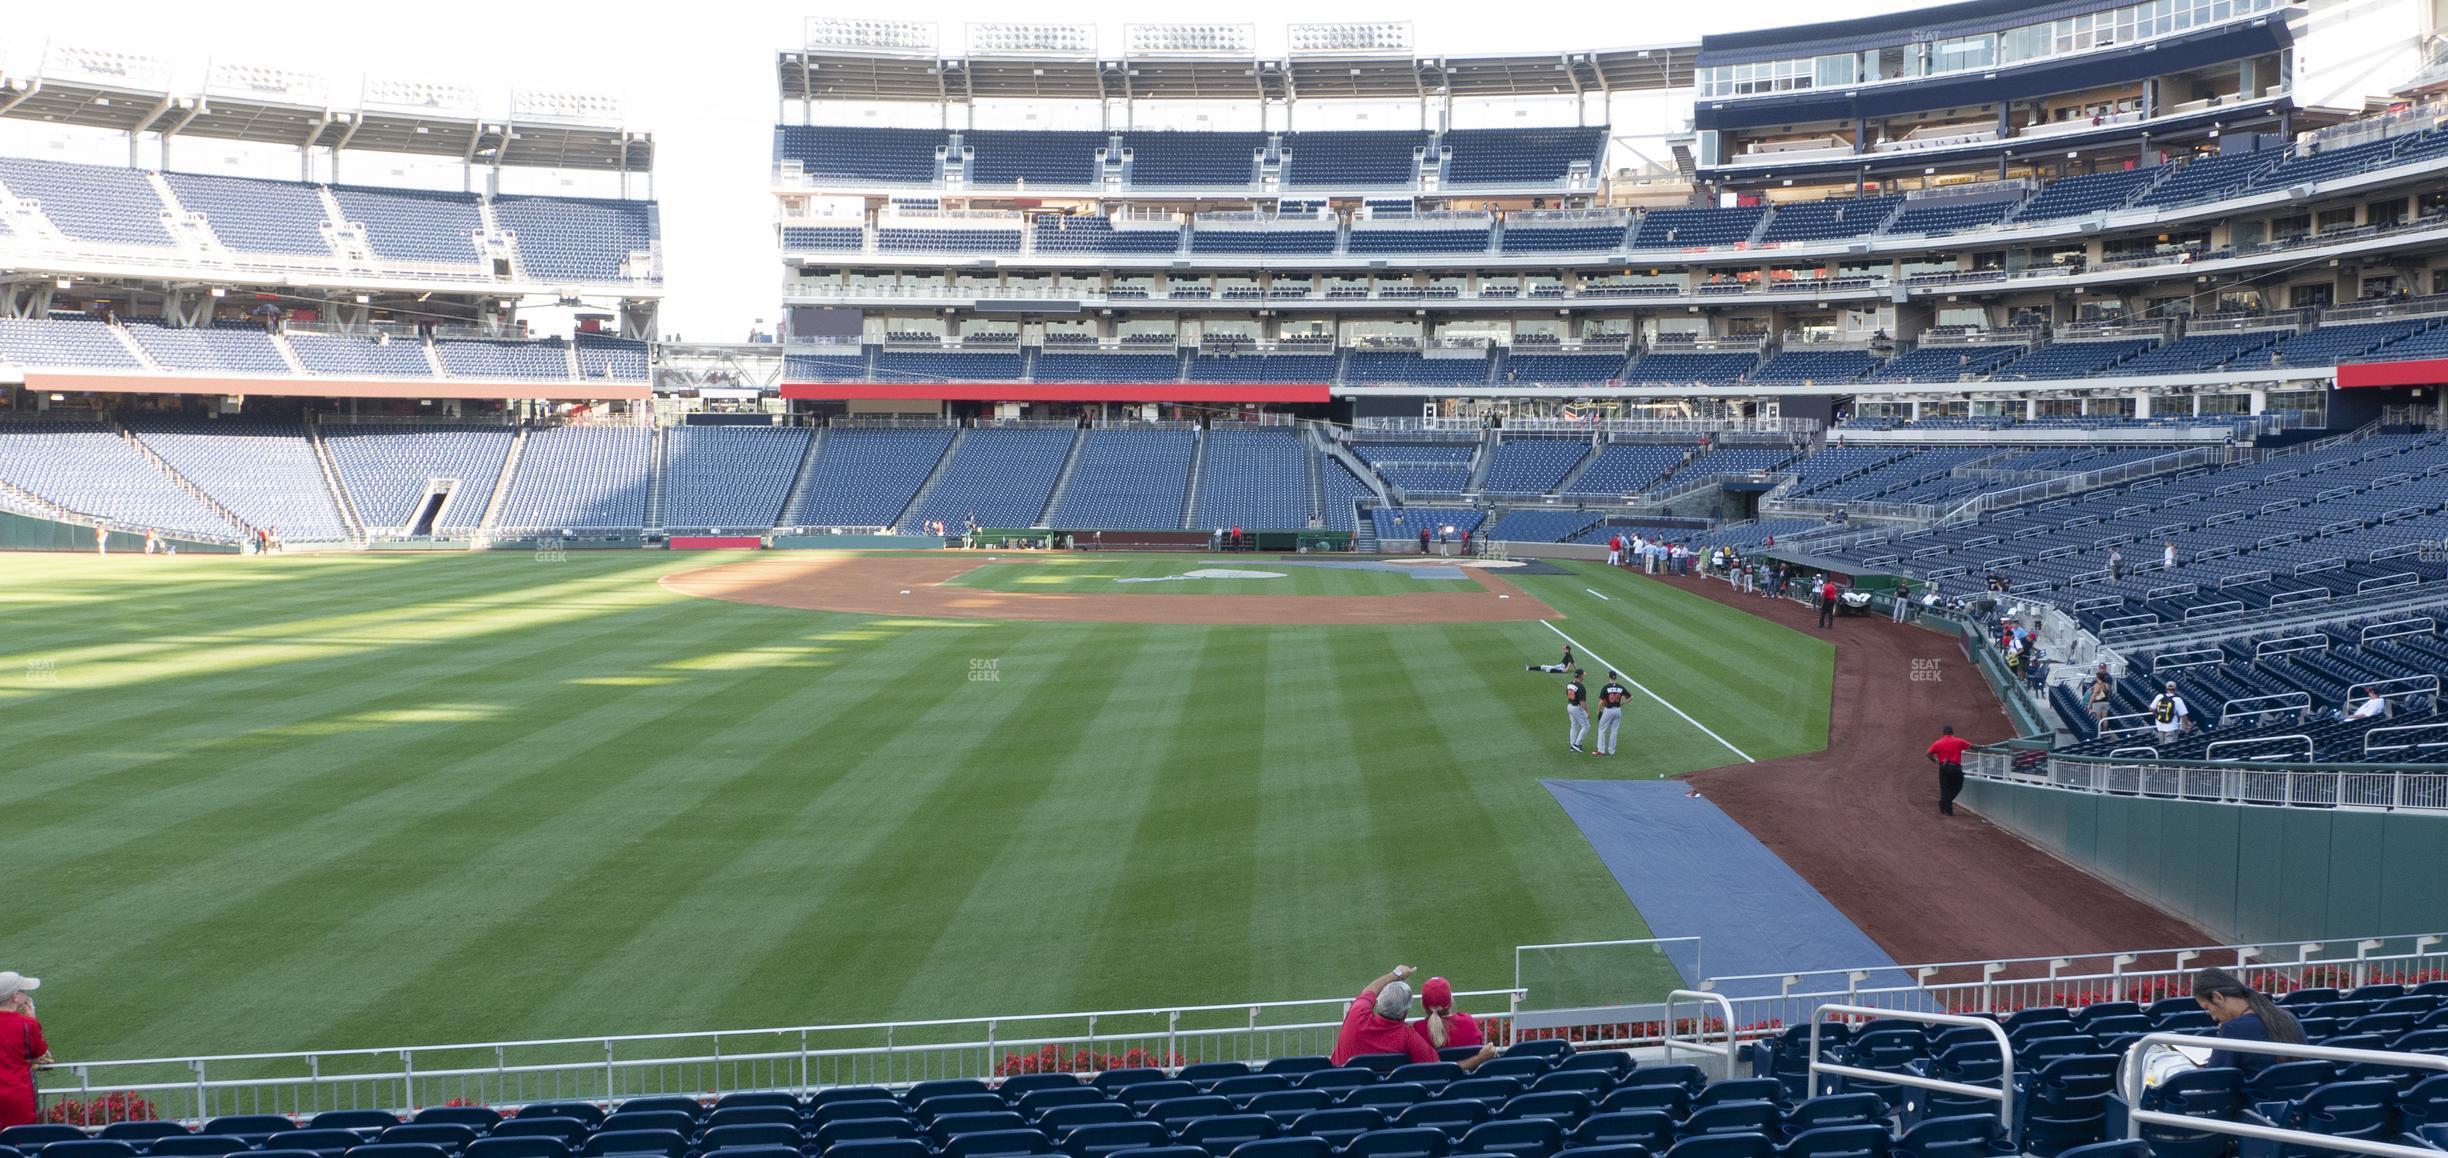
{"x": 1445, "y": 1026}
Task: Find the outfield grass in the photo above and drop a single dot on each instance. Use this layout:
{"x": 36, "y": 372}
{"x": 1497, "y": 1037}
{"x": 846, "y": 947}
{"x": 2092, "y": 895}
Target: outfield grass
{"x": 362, "y": 800}
{"x": 1102, "y": 575}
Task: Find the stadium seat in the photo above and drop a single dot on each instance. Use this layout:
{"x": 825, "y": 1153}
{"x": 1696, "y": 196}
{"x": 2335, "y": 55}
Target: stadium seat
{"x": 945, "y": 1103}
{"x": 1723, "y": 1146}
{"x": 1398, "y": 1143}
{"x": 1102, "y": 1140}
{"x": 1687, "y": 1076}
{"x": 99, "y": 1148}
{"x": 1206, "y": 1074}
{"x": 879, "y": 1148}
{"x": 839, "y": 1131}
{"x": 1284, "y": 1148}
{"x": 1455, "y": 1118}
{"x": 1223, "y": 1132}
{"x": 740, "y": 1114}
{"x": 1840, "y": 1142}
{"x": 1558, "y": 1106}
{"x": 1532, "y": 1137}
{"x": 920, "y": 1094}
{"x": 951, "y": 1126}
{"x": 197, "y": 1146}
{"x": 570, "y": 1132}
{"x": 253, "y": 1127}
{"x": 668, "y": 1143}
{"x": 984, "y": 1143}
{"x": 312, "y": 1141}
{"x": 1664, "y": 1097}
{"x": 1061, "y": 1120}
{"x": 1388, "y": 1096}
{"x": 32, "y": 1139}
{"x": 1958, "y": 1136}
{"x": 401, "y": 1150}
{"x": 1287, "y": 1106}
{"x": 1020, "y": 1086}
{"x": 518, "y": 1146}
{"x": 1338, "y": 1125}
{"x": 1733, "y": 1118}
{"x": 749, "y": 1134}
{"x": 1495, "y": 1091}
{"x": 451, "y": 1136}
{"x": 677, "y": 1121}
{"x": 587, "y": 1112}
{"x": 368, "y": 1122}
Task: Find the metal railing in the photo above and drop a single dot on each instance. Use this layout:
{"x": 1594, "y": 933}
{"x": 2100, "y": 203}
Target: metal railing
{"x": 2130, "y": 1085}
{"x": 2302, "y": 784}
{"x": 2002, "y": 1093}
{"x": 1724, "y": 1052}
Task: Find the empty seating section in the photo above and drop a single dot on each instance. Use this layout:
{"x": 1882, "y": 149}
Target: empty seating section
{"x": 1416, "y": 239}
{"x": 1829, "y": 219}
{"x": 235, "y": 348}
{"x": 1351, "y": 159}
{"x": 1807, "y": 365}
{"x": 2430, "y": 343}
{"x": 1922, "y": 218}
{"x": 1180, "y": 159}
{"x": 1626, "y": 468}
{"x": 2329, "y": 345}
{"x": 342, "y": 356}
{"x": 1253, "y": 479}
{"x": 1278, "y": 368}
{"x": 1945, "y": 363}
{"x": 578, "y": 478}
{"x": 1895, "y": 477}
{"x": 947, "y": 366}
{"x": 1053, "y": 367}
{"x": 1127, "y": 479}
{"x": 88, "y": 468}
{"x": 1531, "y": 465}
{"x": 865, "y": 477}
{"x": 2087, "y": 193}
{"x": 1287, "y": 240}
{"x": 1692, "y": 366}
{"x": 999, "y": 476}
{"x": 412, "y": 224}
{"x": 825, "y": 367}
{"x": 254, "y": 216}
{"x": 1521, "y": 156}
{"x": 63, "y": 341}
{"x": 1563, "y": 238}
{"x": 2074, "y": 359}
{"x": 1391, "y": 366}
{"x": 2208, "y": 178}
{"x": 265, "y": 474}
{"x": 729, "y": 477}
{"x": 1432, "y": 468}
{"x": 89, "y": 202}
{"x": 1695, "y": 228}
{"x": 1338, "y": 490}
{"x": 2199, "y": 353}
{"x": 479, "y": 358}
{"x": 860, "y": 153}
{"x": 1539, "y": 526}
{"x": 1089, "y": 233}
{"x": 1735, "y": 460}
{"x": 616, "y": 359}
{"x": 823, "y": 238}
{"x": 386, "y": 470}
{"x": 1563, "y": 367}
{"x": 577, "y": 239}
{"x": 1036, "y": 156}
{"x": 921, "y": 239}
{"x": 1394, "y": 525}
{"x": 2305, "y": 168}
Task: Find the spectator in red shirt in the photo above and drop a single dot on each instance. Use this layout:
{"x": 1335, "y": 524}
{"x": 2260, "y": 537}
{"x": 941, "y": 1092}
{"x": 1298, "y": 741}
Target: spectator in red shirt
{"x": 1445, "y": 1026}
{"x": 22, "y": 1049}
{"x": 1947, "y": 754}
{"x": 1377, "y": 1022}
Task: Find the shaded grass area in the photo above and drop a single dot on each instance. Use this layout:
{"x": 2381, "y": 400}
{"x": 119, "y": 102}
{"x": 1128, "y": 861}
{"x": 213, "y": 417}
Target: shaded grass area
{"x": 286, "y": 803}
{"x": 1125, "y": 575}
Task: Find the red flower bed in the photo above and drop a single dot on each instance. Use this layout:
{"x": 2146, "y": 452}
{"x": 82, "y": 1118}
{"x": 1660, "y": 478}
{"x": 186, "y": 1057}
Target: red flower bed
{"x": 1055, "y": 1059}
{"x": 101, "y": 1111}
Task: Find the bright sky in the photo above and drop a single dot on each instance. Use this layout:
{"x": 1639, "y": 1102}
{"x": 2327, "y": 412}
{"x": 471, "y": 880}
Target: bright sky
{"x": 700, "y": 78}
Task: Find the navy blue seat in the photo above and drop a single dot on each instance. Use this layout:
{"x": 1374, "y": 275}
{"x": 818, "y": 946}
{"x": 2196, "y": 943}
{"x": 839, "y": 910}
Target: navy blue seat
{"x": 1741, "y": 1090}
{"x": 1840, "y": 1142}
{"x": 1403, "y": 1143}
{"x": 1454, "y": 1118}
{"x": 1521, "y": 1137}
{"x": 954, "y": 1125}
{"x": 1389, "y": 1097}
{"x": 1336, "y": 1078}
{"x": 1021, "y": 1086}
{"x": 140, "y": 1131}
{"x": 1222, "y": 1133}
{"x": 1593, "y": 1082}
{"x": 1960, "y": 1136}
{"x": 2426, "y": 1103}
{"x": 1209, "y": 1073}
{"x": 198, "y": 1146}
{"x": 832, "y": 1134}
{"x": 1144, "y": 1094}
{"x": 1609, "y": 1061}
{"x": 569, "y": 1132}
{"x": 1724, "y": 1146}
{"x": 401, "y": 1150}
{"x": 478, "y": 1118}
{"x": 2288, "y": 1081}
{"x": 676, "y": 1121}
{"x": 822, "y": 1098}
{"x": 766, "y": 1115}
{"x": 450, "y": 1136}
{"x": 2065, "y": 1103}
{"x": 317, "y": 1141}
{"x": 1733, "y": 1118}
{"x": 755, "y": 1152}
{"x": 1101, "y": 1140}
{"x": 1338, "y": 1125}
{"x": 944, "y": 1105}
{"x": 529, "y": 1146}
{"x": 1247, "y": 1086}
{"x": 2340, "y": 1109}
{"x": 1458, "y": 1053}
{"x": 1834, "y": 1110}
{"x": 1523, "y": 1066}
{"x": 1647, "y": 1128}
{"x": 587, "y": 1112}
{"x": 1287, "y": 1105}
{"x": 1038, "y": 1103}
{"x": 1294, "y": 1065}
{"x": 28, "y": 1140}
{"x": 749, "y": 1134}
{"x": 1687, "y": 1076}
{"x": 1673, "y": 1100}
{"x": 1552, "y": 1048}
{"x": 253, "y": 1127}
{"x": 759, "y": 1099}
{"x": 1493, "y": 1090}
{"x": 669, "y": 1143}
{"x": 1285, "y": 1148}
{"x": 1059, "y": 1120}
{"x": 881, "y": 1148}
{"x": 1380, "y": 1064}
{"x": 2125, "y": 1149}
{"x": 655, "y": 1103}
{"x": 363, "y": 1121}
{"x": 1172, "y": 1112}
{"x": 101, "y": 1148}
{"x": 1433, "y": 1075}
{"x": 1627, "y": 1150}
{"x": 1164, "y": 1152}
{"x": 1561, "y": 1105}
{"x": 983, "y": 1143}
{"x": 1116, "y": 1079}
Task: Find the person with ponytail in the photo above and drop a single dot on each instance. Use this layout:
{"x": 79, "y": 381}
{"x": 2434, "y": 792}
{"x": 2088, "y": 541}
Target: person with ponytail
{"x": 2244, "y": 1014}
{"x": 1444, "y": 1025}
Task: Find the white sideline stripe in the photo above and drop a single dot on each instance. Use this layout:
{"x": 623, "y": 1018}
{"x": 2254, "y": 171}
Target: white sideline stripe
{"x": 1594, "y": 591}
{"x": 1602, "y": 661}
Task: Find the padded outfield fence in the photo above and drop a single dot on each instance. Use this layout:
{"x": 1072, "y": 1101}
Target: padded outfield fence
{"x": 2302, "y": 785}
{"x": 1724, "y": 1012}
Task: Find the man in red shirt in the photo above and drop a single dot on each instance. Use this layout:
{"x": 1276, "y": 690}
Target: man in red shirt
{"x": 1947, "y": 754}
{"x": 22, "y": 1049}
{"x": 1377, "y": 1022}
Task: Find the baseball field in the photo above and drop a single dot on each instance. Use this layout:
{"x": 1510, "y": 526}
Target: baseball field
{"x": 331, "y": 801}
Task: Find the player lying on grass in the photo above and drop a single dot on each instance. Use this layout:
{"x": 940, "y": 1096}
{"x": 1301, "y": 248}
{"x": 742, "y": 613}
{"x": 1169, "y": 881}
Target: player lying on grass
{"x": 1378, "y": 1021}
{"x": 1557, "y": 668}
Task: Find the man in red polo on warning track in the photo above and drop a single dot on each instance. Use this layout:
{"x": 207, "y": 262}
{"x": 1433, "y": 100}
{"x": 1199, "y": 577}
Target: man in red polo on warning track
{"x": 1947, "y": 754}
{"x": 1378, "y": 1022}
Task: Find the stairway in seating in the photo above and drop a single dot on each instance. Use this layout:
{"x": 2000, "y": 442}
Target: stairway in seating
{"x": 501, "y": 486}
{"x": 181, "y": 481}
{"x": 658, "y": 445}
{"x": 331, "y": 480}
{"x": 798, "y": 487}
{"x": 926, "y": 490}
{"x": 1480, "y": 459}
{"x": 1062, "y": 482}
{"x": 1198, "y": 465}
{"x": 1574, "y": 475}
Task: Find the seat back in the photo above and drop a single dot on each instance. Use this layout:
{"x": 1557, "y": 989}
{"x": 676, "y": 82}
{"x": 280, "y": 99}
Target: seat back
{"x": 1248, "y": 1086}
{"x": 2288, "y": 1081}
{"x": 1060, "y": 1120}
{"x": 1610, "y": 1061}
{"x": 939, "y": 1087}
{"x": 833, "y": 1134}
{"x": 747, "y": 1115}
{"x": 1687, "y": 1076}
{"x": 1733, "y": 1118}
{"x": 1561, "y": 1105}
{"x": 1454, "y": 1118}
{"x": 197, "y": 1146}
{"x": 1495, "y": 1091}
{"x": 450, "y": 1136}
{"x": 1522, "y": 1137}
{"x": 587, "y": 1112}
{"x": 1036, "y": 1103}
{"x": 1335, "y": 1078}
{"x": 672, "y": 1120}
{"x": 1286, "y": 1105}
{"x": 952, "y": 1126}
{"x": 140, "y": 1131}
{"x": 1303, "y": 1147}
{"x": 478, "y": 1118}
{"x": 1647, "y": 1128}
{"x": 1399, "y": 1143}
{"x": 1841, "y": 1142}
{"x": 881, "y": 1148}
{"x": 529, "y": 1146}
{"x": 1388, "y": 1096}
{"x": 1516, "y": 1065}
{"x": 1209, "y": 1073}
{"x": 1741, "y": 1090}
{"x": 1020, "y": 1086}
{"x": 749, "y": 1134}
{"x": 661, "y": 1103}
{"x": 569, "y": 1132}
{"x": 255, "y": 1126}
{"x": 1175, "y": 1111}
{"x": 982, "y": 1143}
{"x": 1117, "y": 1079}
{"x": 319, "y": 1141}
{"x": 945, "y": 1105}
{"x": 1379, "y": 1063}
{"x": 1673, "y": 1100}
{"x": 1150, "y": 1093}
{"x": 1220, "y": 1134}
{"x": 2346, "y": 1109}
{"x": 1433, "y": 1075}
{"x": 1724, "y": 1146}
{"x": 1338, "y": 1124}
{"x": 1834, "y": 1110}
{"x": 1957, "y": 1136}
{"x": 1096, "y": 1141}
{"x": 1294, "y": 1065}
{"x": 665, "y": 1142}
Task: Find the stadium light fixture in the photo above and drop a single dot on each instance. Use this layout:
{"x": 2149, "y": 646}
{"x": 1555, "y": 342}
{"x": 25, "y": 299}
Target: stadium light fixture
{"x": 1352, "y": 36}
{"x": 584, "y": 108}
{"x": 827, "y": 32}
{"x": 1023, "y": 39}
{"x": 265, "y": 83}
{"x": 102, "y": 65}
{"x": 1217, "y": 39}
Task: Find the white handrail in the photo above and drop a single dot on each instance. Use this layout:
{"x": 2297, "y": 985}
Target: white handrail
{"x": 1699, "y": 1042}
{"x": 2003, "y": 1095}
{"x": 2129, "y": 1085}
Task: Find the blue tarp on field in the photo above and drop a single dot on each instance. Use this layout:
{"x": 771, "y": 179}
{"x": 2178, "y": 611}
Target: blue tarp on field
{"x": 1693, "y": 872}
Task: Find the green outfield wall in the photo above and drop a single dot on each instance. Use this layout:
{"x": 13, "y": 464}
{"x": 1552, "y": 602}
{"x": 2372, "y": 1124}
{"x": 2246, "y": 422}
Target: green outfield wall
{"x": 30, "y": 533}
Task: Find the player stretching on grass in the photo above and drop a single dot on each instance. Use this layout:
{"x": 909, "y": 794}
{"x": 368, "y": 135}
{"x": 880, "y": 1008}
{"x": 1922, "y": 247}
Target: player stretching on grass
{"x": 1610, "y": 713}
{"x": 1576, "y": 708}
{"x": 1557, "y": 668}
